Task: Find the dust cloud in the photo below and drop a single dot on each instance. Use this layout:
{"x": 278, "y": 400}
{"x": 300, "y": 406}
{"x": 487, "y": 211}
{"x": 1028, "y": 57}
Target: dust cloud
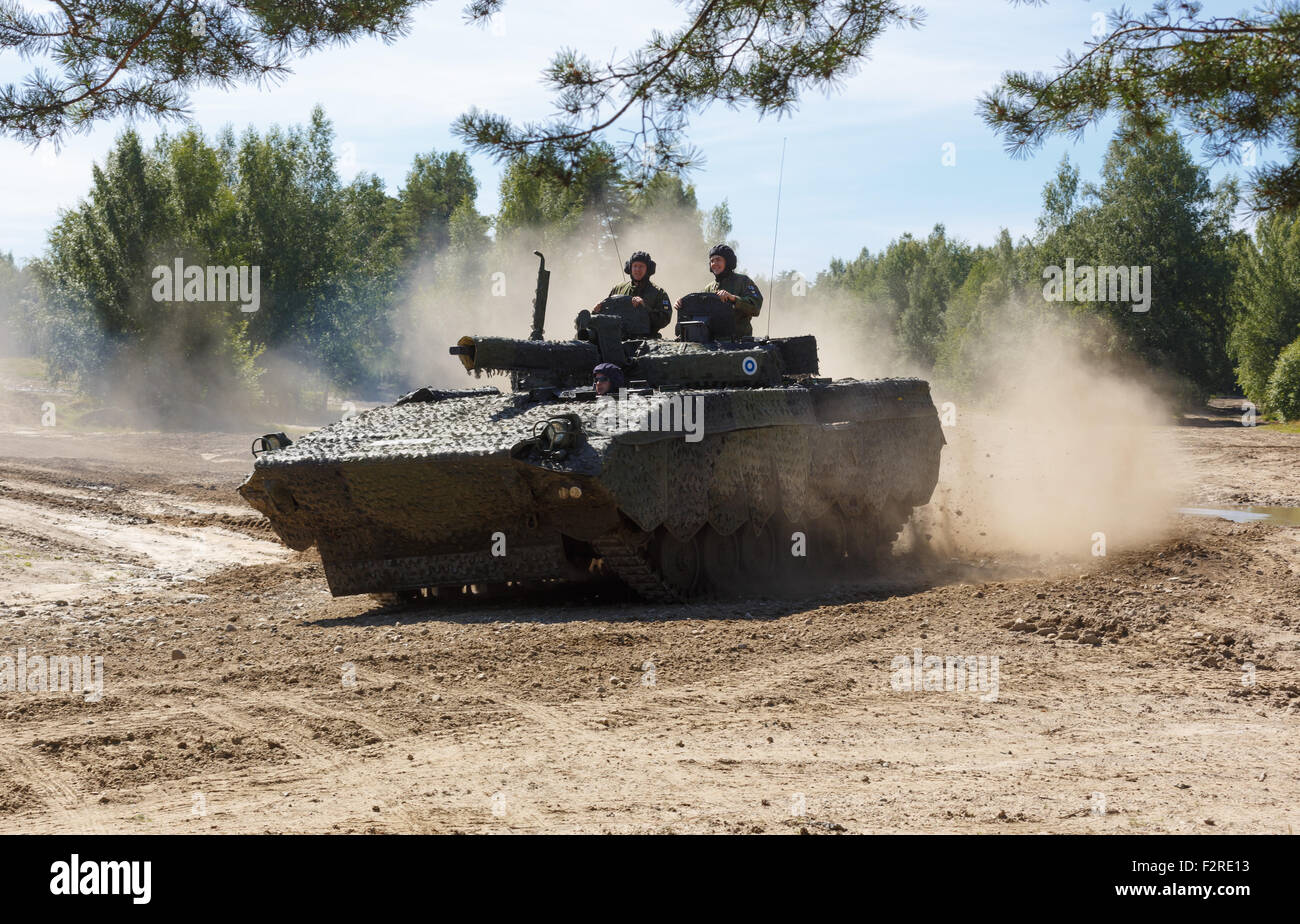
{"x": 1067, "y": 459}
{"x": 456, "y": 295}
{"x": 1052, "y": 453}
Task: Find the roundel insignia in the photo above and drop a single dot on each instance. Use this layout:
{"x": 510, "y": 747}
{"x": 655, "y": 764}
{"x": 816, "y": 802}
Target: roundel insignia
{"x": 749, "y": 365}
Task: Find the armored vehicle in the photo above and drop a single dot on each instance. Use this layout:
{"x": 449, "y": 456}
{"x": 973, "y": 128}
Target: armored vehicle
{"x": 722, "y": 466}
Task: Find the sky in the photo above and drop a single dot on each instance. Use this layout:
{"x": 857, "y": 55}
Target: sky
{"x": 863, "y": 164}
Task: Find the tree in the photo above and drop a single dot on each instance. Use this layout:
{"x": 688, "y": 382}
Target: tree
{"x": 467, "y": 246}
{"x": 540, "y": 191}
{"x": 350, "y": 331}
{"x": 760, "y": 53}
{"x": 946, "y": 302}
{"x": 435, "y": 187}
{"x": 992, "y": 314}
{"x": 15, "y": 285}
{"x": 1267, "y": 297}
{"x": 138, "y": 58}
{"x": 664, "y": 193}
{"x": 200, "y": 194}
{"x": 1060, "y": 200}
{"x": 1155, "y": 207}
{"x": 1284, "y": 383}
{"x": 95, "y": 273}
{"x": 909, "y": 285}
{"x": 922, "y": 291}
{"x": 717, "y": 227}
{"x": 287, "y": 192}
{"x": 100, "y": 319}
{"x": 331, "y": 263}
{"x": 1234, "y": 81}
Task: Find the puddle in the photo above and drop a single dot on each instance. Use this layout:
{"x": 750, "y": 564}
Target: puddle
{"x": 1281, "y": 516}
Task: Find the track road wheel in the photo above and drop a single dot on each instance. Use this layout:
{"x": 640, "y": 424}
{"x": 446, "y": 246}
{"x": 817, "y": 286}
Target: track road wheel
{"x": 796, "y": 549}
{"x": 758, "y": 556}
{"x": 678, "y": 562}
{"x": 489, "y": 590}
{"x": 396, "y": 597}
{"x": 870, "y": 538}
{"x": 829, "y": 544}
{"x": 722, "y": 564}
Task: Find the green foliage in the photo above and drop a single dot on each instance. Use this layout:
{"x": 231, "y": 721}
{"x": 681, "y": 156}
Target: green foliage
{"x": 665, "y": 193}
{"x": 1234, "y": 81}
{"x": 540, "y": 191}
{"x": 1284, "y": 384}
{"x": 1153, "y": 206}
{"x": 667, "y": 204}
{"x": 717, "y": 226}
{"x": 765, "y": 54}
{"x": 911, "y": 281}
{"x": 97, "y": 320}
{"x": 997, "y": 286}
{"x": 330, "y": 259}
{"x": 289, "y": 204}
{"x": 111, "y": 58}
{"x": 15, "y": 296}
{"x": 1267, "y": 298}
{"x": 436, "y": 186}
{"x": 1060, "y": 200}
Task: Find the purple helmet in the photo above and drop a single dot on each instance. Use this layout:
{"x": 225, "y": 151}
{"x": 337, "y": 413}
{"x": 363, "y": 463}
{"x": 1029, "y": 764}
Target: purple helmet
{"x": 615, "y": 374}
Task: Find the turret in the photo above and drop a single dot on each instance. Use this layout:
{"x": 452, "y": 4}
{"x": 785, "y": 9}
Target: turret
{"x": 705, "y": 353}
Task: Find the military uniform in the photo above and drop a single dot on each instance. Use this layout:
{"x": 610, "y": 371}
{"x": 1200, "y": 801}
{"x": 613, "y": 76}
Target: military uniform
{"x": 748, "y": 303}
{"x": 655, "y": 298}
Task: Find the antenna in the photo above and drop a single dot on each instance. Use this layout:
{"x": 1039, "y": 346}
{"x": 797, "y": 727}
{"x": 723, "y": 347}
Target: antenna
{"x": 610, "y": 225}
{"x": 771, "y": 275}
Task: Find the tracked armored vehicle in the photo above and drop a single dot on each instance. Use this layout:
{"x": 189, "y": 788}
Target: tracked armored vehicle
{"x": 723, "y": 466}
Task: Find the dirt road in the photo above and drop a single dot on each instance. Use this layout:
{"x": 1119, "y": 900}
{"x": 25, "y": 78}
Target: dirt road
{"x": 1150, "y": 691}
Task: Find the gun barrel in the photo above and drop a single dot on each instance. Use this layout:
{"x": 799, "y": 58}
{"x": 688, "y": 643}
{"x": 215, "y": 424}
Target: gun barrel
{"x": 506, "y": 354}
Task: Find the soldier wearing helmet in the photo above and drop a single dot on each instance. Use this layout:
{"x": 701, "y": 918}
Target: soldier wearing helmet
{"x": 641, "y": 267}
{"x": 607, "y": 378}
{"x": 737, "y": 289}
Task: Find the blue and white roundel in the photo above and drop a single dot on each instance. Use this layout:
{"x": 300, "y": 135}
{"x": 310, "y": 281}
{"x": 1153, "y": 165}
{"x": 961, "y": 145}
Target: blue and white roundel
{"x": 750, "y": 365}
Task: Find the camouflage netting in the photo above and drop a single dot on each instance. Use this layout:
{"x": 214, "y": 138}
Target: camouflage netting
{"x": 859, "y": 469}
{"x": 430, "y": 479}
{"x": 658, "y": 362}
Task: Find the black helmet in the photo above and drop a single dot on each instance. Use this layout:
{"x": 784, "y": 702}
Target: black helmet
{"x": 722, "y": 250}
{"x": 640, "y": 257}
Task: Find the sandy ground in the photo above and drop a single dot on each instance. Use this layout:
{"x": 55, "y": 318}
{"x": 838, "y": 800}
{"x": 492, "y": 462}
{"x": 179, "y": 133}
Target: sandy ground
{"x": 1156, "y": 690}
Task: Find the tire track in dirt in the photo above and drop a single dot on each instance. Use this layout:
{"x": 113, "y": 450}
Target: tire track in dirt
{"x": 320, "y": 761}
{"x": 540, "y": 727}
{"x": 56, "y": 788}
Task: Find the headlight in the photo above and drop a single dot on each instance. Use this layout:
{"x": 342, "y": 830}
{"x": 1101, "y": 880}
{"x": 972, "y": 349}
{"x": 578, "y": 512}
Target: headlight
{"x": 557, "y": 435}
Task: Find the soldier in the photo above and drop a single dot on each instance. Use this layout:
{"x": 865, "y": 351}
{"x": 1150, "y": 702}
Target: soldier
{"x": 607, "y": 377}
{"x": 736, "y": 288}
{"x": 641, "y": 267}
